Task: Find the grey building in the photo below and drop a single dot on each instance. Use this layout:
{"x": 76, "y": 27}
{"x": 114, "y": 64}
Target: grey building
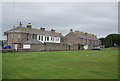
{"x": 19, "y": 35}
{"x": 40, "y": 39}
{"x": 85, "y": 39}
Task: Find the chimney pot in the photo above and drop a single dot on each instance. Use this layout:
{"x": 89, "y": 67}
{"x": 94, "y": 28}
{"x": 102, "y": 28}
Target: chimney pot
{"x": 52, "y": 30}
{"x": 20, "y": 24}
{"x": 29, "y": 25}
{"x": 71, "y": 30}
{"x": 43, "y": 29}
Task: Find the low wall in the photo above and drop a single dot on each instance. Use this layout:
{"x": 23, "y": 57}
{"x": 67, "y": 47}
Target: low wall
{"x": 49, "y": 47}
{"x": 73, "y": 47}
{"x": 34, "y": 47}
{"x": 7, "y": 50}
{"x": 54, "y": 46}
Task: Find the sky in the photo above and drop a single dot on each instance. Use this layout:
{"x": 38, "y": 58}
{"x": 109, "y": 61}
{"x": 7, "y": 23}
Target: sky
{"x": 99, "y": 18}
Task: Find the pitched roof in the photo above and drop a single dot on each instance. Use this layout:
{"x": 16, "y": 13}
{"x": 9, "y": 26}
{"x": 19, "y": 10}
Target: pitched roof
{"x": 80, "y": 35}
{"x": 33, "y": 41}
{"x": 34, "y": 31}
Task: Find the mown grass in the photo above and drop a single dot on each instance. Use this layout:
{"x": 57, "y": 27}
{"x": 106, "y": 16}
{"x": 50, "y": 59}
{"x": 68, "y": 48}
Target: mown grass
{"x": 82, "y": 64}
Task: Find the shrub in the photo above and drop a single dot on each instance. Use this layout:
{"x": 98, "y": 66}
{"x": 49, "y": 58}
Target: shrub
{"x": 7, "y": 50}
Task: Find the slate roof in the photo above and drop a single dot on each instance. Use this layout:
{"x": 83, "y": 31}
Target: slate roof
{"x": 34, "y": 31}
{"x": 85, "y": 37}
{"x": 33, "y": 41}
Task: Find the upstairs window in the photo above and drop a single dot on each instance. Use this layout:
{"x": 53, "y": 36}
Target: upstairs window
{"x": 18, "y": 35}
{"x": 33, "y": 36}
{"x": 51, "y": 38}
{"x": 41, "y": 38}
{"x": 47, "y": 38}
{"x": 12, "y": 35}
{"x": 27, "y": 36}
{"x": 58, "y": 39}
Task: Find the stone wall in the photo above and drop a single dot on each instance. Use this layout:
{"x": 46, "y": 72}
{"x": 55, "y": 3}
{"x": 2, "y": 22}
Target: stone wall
{"x": 55, "y": 46}
{"x": 34, "y": 47}
{"x": 73, "y": 47}
{"x": 49, "y": 47}
{"x": 39, "y": 47}
{"x": 71, "y": 39}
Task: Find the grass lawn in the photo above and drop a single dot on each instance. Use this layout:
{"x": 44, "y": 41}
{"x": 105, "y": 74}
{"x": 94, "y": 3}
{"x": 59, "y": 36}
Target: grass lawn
{"x": 81, "y": 64}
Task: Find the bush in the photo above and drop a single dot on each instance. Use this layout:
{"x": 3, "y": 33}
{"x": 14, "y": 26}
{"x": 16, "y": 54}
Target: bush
{"x": 7, "y": 50}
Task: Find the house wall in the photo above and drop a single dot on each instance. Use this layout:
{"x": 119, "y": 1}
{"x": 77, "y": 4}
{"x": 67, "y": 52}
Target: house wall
{"x": 54, "y": 46}
{"x": 39, "y": 47}
{"x": 20, "y": 38}
{"x": 16, "y": 38}
{"x": 73, "y": 47}
{"x": 72, "y": 39}
{"x": 24, "y": 37}
{"x": 34, "y": 47}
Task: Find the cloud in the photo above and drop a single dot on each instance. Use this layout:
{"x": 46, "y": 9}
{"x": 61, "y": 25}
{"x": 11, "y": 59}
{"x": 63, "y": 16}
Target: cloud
{"x": 96, "y": 18}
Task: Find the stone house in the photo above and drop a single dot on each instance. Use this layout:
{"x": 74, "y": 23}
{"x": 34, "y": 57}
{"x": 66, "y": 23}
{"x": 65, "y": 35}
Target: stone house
{"x": 19, "y": 35}
{"x": 31, "y": 39}
{"x": 85, "y": 39}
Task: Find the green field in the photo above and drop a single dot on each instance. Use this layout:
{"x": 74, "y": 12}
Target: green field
{"x": 81, "y": 64}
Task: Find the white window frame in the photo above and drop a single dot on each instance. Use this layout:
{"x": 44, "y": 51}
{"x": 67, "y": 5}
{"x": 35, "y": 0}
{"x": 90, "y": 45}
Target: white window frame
{"x": 12, "y": 35}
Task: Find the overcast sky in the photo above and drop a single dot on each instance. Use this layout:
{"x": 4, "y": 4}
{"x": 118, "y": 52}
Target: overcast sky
{"x": 97, "y": 18}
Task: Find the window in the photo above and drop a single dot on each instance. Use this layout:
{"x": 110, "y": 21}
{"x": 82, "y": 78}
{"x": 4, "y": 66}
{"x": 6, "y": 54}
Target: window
{"x": 27, "y": 36}
{"x": 33, "y": 36}
{"x": 90, "y": 42}
{"x": 58, "y": 39}
{"x": 51, "y": 38}
{"x": 47, "y": 38}
{"x": 18, "y": 35}
{"x": 12, "y": 35}
{"x": 86, "y": 41}
{"x": 41, "y": 38}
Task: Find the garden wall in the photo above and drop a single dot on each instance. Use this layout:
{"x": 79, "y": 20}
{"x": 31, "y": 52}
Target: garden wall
{"x": 49, "y": 47}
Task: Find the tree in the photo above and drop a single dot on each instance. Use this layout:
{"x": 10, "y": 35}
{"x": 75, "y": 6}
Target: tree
{"x": 102, "y": 41}
{"x": 111, "y": 40}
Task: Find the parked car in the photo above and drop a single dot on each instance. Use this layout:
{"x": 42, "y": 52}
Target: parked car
{"x": 7, "y": 47}
{"x": 96, "y": 48}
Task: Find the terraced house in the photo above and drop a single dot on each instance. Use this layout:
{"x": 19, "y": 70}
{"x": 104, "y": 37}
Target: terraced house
{"x": 40, "y": 39}
{"x": 20, "y": 34}
{"x": 82, "y": 38}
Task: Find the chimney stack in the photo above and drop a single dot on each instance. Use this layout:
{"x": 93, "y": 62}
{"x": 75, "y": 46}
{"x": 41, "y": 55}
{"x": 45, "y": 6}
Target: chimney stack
{"x": 29, "y": 25}
{"x": 77, "y": 31}
{"x": 71, "y": 30}
{"x": 20, "y": 24}
{"x": 52, "y": 30}
{"x": 43, "y": 29}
